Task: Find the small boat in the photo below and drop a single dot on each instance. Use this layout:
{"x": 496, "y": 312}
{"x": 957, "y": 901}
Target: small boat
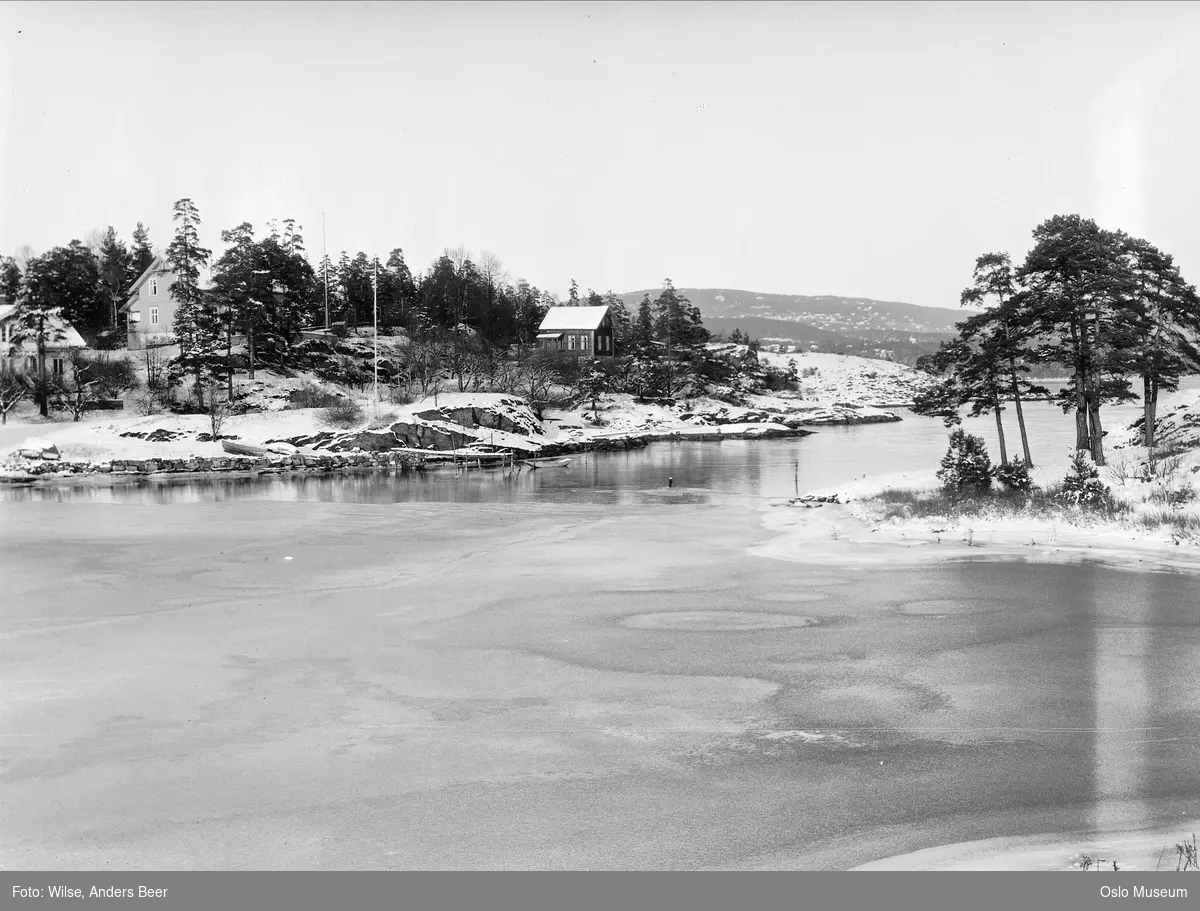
{"x": 243, "y": 449}
{"x": 546, "y": 463}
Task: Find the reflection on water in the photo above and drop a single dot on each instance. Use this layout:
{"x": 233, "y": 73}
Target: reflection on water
{"x": 766, "y": 468}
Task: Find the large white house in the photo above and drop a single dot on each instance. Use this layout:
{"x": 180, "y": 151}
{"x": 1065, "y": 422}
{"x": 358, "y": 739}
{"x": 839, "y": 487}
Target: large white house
{"x": 150, "y": 309}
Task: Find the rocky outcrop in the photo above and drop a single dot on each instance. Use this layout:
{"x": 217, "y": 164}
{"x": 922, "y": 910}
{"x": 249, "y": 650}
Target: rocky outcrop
{"x": 30, "y": 471}
{"x": 511, "y": 415}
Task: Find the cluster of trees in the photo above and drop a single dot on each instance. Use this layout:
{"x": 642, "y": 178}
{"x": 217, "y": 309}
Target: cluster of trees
{"x": 1103, "y": 306}
{"x": 461, "y": 312}
{"x": 85, "y": 284}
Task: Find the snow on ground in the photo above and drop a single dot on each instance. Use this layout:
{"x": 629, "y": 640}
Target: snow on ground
{"x": 860, "y": 518}
{"x": 847, "y": 378}
{"x": 1148, "y": 850}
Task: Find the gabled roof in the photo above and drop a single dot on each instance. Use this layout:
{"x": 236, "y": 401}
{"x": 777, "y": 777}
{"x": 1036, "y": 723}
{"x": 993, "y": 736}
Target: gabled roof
{"x": 560, "y": 319}
{"x": 157, "y": 266}
{"x": 62, "y": 334}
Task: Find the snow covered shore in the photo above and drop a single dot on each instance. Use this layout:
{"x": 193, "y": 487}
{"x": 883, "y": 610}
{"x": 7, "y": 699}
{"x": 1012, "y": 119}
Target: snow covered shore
{"x": 1158, "y": 523}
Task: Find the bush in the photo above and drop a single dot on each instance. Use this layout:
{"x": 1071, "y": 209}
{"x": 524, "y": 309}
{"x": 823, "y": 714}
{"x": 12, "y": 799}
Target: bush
{"x": 1082, "y": 485}
{"x": 344, "y": 413}
{"x": 1015, "y": 476}
{"x": 1174, "y": 497}
{"x": 966, "y": 467}
{"x": 312, "y": 396}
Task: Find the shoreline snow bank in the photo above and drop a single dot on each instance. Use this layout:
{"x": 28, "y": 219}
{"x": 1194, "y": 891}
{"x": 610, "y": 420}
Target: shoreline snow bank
{"x": 1144, "y": 850}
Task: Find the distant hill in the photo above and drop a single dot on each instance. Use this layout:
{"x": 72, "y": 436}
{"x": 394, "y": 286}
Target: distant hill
{"x": 851, "y": 316}
{"x": 848, "y": 325}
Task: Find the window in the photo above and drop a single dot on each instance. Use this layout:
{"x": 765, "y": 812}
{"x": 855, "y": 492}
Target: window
{"x": 135, "y": 316}
{"x": 571, "y": 342}
{"x": 583, "y": 342}
{"x": 58, "y": 366}
{"x": 153, "y": 316}
{"x": 154, "y": 287}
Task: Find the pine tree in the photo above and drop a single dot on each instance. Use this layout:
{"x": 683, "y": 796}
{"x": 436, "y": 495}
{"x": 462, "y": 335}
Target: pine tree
{"x": 198, "y": 328}
{"x": 397, "y": 290}
{"x": 115, "y": 261}
{"x": 994, "y": 279}
{"x": 10, "y": 279}
{"x": 644, "y": 330}
{"x": 622, "y": 323}
{"x": 236, "y": 292}
{"x": 573, "y": 295}
{"x": 286, "y": 280}
{"x": 1078, "y": 300}
{"x": 1167, "y": 325}
{"x": 38, "y": 315}
{"x": 142, "y": 253}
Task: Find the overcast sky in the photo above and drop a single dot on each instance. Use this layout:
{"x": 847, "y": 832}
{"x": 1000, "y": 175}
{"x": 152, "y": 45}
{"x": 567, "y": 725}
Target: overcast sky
{"x": 869, "y": 149}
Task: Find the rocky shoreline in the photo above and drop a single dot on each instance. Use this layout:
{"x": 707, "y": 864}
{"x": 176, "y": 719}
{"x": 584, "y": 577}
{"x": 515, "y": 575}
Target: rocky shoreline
{"x": 42, "y": 472}
{"x": 48, "y": 471}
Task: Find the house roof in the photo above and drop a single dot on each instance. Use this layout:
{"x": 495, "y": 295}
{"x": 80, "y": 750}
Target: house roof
{"x": 69, "y": 337}
{"x": 158, "y": 265}
{"x": 561, "y": 319}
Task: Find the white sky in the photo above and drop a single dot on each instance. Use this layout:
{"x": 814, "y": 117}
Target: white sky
{"x": 867, "y": 149}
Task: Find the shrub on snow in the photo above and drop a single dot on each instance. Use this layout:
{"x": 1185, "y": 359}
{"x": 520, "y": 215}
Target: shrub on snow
{"x": 1015, "y": 476}
{"x": 1082, "y": 485}
{"x": 965, "y": 466}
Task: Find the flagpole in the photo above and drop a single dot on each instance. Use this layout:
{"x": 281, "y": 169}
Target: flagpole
{"x": 376, "y": 336}
{"x": 325, "y": 259}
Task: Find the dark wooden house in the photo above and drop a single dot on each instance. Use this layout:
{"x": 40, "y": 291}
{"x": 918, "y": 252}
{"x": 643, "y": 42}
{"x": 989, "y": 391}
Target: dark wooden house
{"x": 586, "y": 331}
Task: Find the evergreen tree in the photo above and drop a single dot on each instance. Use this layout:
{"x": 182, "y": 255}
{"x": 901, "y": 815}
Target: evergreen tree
{"x": 198, "y": 328}
{"x": 573, "y": 295}
{"x": 38, "y": 315}
{"x": 286, "y": 285}
{"x": 622, "y": 323}
{"x": 530, "y": 311}
{"x": 644, "y": 329}
{"x": 1167, "y": 326}
{"x": 1009, "y": 335}
{"x": 115, "y": 266}
{"x": 237, "y": 292}
{"x": 10, "y": 279}
{"x": 141, "y": 255}
{"x": 1079, "y": 301}
{"x": 397, "y": 290}
{"x": 324, "y": 302}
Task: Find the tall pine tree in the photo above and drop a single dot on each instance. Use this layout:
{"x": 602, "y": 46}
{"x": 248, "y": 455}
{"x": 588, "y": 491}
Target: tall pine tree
{"x": 198, "y": 329}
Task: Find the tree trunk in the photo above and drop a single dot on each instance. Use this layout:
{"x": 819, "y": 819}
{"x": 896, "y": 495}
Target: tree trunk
{"x": 1016, "y": 395}
{"x": 1148, "y": 416}
{"x": 42, "y": 397}
{"x": 1082, "y": 438}
{"x": 1097, "y": 432}
{"x": 229, "y": 353}
{"x": 1000, "y": 431}
{"x": 250, "y": 348}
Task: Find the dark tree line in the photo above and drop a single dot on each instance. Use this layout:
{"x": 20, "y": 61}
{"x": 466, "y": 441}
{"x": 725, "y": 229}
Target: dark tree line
{"x": 1104, "y": 307}
{"x": 264, "y": 289}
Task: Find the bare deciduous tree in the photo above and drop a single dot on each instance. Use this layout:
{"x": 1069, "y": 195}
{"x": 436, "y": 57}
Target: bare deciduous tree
{"x": 13, "y": 389}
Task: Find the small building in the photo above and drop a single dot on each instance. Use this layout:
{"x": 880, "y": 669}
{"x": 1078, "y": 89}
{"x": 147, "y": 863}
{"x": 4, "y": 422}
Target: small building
{"x": 150, "y": 309}
{"x": 584, "y": 331}
{"x": 20, "y": 355}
